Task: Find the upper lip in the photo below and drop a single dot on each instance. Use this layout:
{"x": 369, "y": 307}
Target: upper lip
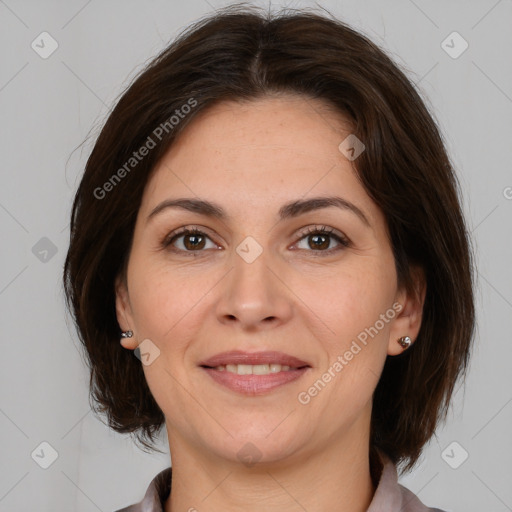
{"x": 252, "y": 358}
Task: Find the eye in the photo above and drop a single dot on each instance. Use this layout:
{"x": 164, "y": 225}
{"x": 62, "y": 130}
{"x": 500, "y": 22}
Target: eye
{"x": 190, "y": 240}
{"x": 319, "y": 239}
{"x": 193, "y": 240}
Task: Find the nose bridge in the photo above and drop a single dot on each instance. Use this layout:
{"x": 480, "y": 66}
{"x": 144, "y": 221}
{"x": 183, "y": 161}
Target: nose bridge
{"x": 252, "y": 267}
{"x": 253, "y": 293}
{"x": 251, "y": 281}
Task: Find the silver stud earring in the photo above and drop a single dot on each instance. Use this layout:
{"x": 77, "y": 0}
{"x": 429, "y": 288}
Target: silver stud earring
{"x": 126, "y": 334}
{"x": 404, "y": 341}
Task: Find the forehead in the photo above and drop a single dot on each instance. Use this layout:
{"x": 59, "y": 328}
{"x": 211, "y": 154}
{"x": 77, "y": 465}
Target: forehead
{"x": 259, "y": 152}
{"x": 305, "y": 126}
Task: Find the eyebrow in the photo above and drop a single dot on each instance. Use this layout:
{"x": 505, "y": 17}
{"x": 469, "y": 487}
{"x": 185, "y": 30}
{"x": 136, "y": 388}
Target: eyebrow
{"x": 287, "y": 211}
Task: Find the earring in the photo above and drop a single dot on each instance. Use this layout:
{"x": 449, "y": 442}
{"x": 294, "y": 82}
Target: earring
{"x": 126, "y": 334}
{"x": 404, "y": 341}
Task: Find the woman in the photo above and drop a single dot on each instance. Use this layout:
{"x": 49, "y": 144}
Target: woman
{"x": 270, "y": 222}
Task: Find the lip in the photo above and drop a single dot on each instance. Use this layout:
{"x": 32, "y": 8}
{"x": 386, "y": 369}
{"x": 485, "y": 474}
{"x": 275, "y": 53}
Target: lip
{"x": 240, "y": 357}
{"x": 254, "y": 384}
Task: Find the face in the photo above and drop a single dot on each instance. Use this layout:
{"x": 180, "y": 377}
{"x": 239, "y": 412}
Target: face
{"x": 268, "y": 280}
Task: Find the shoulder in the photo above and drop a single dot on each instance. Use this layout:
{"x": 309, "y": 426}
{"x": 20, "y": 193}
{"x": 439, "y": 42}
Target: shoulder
{"x": 390, "y": 495}
{"x": 411, "y": 503}
{"x": 156, "y": 494}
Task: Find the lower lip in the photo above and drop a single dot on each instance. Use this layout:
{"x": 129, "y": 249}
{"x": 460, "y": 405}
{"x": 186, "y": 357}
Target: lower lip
{"x": 255, "y": 384}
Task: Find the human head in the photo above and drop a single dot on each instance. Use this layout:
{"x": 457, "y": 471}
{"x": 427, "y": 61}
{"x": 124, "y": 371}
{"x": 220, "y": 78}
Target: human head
{"x": 246, "y": 56}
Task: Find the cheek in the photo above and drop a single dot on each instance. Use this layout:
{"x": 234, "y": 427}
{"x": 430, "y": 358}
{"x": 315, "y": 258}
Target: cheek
{"x": 352, "y": 305}
{"x": 169, "y": 304}
{"x": 161, "y": 300}
{"x": 352, "y": 300}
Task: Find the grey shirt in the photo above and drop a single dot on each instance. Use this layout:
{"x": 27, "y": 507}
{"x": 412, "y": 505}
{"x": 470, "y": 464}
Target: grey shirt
{"x": 389, "y": 495}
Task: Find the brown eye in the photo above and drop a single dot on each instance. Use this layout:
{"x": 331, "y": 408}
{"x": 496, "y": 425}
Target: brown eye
{"x": 188, "y": 240}
{"x": 192, "y": 240}
{"x": 319, "y": 239}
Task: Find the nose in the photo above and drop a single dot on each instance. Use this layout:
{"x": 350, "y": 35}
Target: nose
{"x": 254, "y": 296}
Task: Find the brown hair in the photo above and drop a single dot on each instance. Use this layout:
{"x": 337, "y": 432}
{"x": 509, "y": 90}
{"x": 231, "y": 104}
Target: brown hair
{"x": 242, "y": 53}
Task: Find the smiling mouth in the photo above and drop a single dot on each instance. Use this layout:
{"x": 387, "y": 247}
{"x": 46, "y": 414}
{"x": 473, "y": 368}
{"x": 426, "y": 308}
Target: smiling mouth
{"x": 254, "y": 373}
{"x": 254, "y": 380}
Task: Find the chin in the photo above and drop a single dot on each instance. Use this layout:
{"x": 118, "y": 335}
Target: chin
{"x": 256, "y": 445}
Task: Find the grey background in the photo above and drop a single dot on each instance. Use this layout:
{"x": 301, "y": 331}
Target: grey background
{"x": 49, "y": 106}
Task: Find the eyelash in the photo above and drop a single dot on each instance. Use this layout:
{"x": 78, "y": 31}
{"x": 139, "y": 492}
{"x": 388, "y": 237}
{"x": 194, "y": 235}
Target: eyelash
{"x": 312, "y": 230}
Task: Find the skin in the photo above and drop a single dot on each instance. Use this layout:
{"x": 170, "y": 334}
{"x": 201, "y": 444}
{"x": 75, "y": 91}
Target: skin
{"x": 251, "y": 158}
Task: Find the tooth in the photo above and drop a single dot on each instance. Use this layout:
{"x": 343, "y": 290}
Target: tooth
{"x": 249, "y": 369}
{"x": 260, "y": 369}
{"x": 244, "y": 369}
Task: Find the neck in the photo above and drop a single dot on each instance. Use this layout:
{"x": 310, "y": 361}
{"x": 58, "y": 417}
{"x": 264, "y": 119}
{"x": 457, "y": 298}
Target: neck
{"x": 336, "y": 478}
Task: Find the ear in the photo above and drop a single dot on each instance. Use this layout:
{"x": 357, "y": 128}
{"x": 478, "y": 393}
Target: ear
{"x": 409, "y": 307}
{"x": 124, "y": 312}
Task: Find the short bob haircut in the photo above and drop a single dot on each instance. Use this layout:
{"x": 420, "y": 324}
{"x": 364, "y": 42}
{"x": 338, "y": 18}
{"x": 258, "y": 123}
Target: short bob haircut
{"x": 242, "y": 53}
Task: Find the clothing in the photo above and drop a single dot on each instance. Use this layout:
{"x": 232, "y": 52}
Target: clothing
{"x": 389, "y": 495}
